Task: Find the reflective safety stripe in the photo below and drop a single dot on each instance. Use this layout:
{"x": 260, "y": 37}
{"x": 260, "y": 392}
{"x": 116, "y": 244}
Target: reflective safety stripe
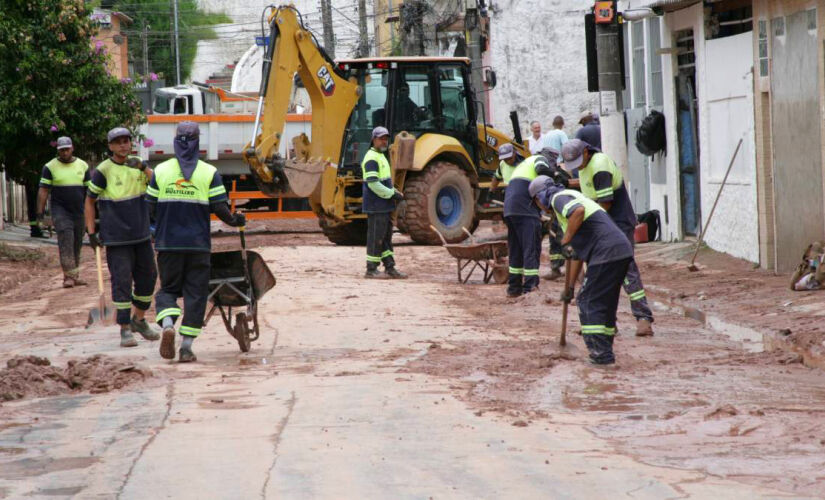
{"x": 34, "y": 223}
{"x": 169, "y": 311}
{"x": 604, "y": 192}
{"x": 95, "y": 188}
{"x": 610, "y": 330}
{"x": 122, "y": 305}
{"x": 189, "y": 330}
{"x": 590, "y": 206}
{"x": 372, "y": 258}
{"x": 516, "y": 270}
{"x": 593, "y": 329}
{"x": 556, "y": 256}
{"x": 386, "y": 253}
{"x": 142, "y": 298}
{"x": 599, "y": 162}
{"x": 152, "y": 191}
{"x": 215, "y": 191}
{"x": 531, "y": 272}
{"x": 43, "y": 180}
{"x": 370, "y": 175}
{"x": 626, "y": 281}
{"x": 637, "y": 295}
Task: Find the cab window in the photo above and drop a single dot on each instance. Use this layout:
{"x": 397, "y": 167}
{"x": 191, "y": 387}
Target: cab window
{"x": 370, "y": 112}
{"x": 413, "y": 103}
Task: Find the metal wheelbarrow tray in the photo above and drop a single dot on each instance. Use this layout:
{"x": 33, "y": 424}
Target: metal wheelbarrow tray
{"x": 230, "y": 285}
{"x": 489, "y": 256}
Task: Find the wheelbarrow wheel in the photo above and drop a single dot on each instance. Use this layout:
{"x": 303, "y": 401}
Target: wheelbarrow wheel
{"x": 500, "y": 274}
{"x": 241, "y": 332}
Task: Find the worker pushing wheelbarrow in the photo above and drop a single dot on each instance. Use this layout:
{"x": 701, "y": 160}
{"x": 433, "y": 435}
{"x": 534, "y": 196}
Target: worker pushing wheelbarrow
{"x": 238, "y": 279}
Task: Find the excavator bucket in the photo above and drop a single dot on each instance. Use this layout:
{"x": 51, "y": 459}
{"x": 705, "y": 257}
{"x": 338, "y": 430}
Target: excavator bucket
{"x": 303, "y": 176}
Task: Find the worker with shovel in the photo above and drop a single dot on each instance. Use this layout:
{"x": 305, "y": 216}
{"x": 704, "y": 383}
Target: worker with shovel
{"x": 590, "y": 236}
{"x": 601, "y": 181}
{"x": 65, "y": 179}
{"x": 117, "y": 186}
{"x": 523, "y": 221}
{"x": 182, "y": 193}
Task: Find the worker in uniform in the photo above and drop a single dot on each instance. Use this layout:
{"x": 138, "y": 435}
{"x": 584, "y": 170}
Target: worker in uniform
{"x": 117, "y": 186}
{"x": 379, "y": 198}
{"x": 505, "y": 170}
{"x": 590, "y": 236}
{"x": 182, "y": 193}
{"x": 523, "y": 221}
{"x": 554, "y": 231}
{"x": 65, "y": 179}
{"x": 601, "y": 181}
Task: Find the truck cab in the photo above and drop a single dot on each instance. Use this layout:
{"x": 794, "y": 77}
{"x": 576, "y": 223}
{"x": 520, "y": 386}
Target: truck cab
{"x": 179, "y": 100}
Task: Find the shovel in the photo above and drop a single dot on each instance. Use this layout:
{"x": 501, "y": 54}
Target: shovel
{"x": 103, "y": 312}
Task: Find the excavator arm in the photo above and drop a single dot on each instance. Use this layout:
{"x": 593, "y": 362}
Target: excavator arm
{"x": 293, "y": 49}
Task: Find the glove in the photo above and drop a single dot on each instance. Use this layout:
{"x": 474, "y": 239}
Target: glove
{"x": 94, "y": 241}
{"x": 238, "y": 219}
{"x": 567, "y": 295}
{"x": 562, "y": 179}
{"x": 135, "y": 162}
{"x": 568, "y": 252}
{"x": 397, "y": 196}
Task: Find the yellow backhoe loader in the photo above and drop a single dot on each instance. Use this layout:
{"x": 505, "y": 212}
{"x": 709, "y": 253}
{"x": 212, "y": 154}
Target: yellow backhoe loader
{"x": 442, "y": 156}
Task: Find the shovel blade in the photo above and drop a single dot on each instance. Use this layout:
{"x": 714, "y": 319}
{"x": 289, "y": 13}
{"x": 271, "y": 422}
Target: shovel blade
{"x": 101, "y": 315}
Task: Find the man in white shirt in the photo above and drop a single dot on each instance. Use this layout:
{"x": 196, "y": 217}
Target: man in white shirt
{"x": 536, "y": 140}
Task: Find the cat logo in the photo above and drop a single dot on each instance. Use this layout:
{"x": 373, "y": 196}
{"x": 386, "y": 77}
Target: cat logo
{"x": 327, "y": 83}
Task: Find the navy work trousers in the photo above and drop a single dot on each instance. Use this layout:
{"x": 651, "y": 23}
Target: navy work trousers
{"x": 524, "y": 248}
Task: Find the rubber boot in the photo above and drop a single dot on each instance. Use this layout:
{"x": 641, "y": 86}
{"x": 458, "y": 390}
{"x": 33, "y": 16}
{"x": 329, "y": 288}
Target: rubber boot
{"x": 167, "y": 343}
{"x": 372, "y": 272}
{"x": 395, "y": 274}
{"x": 185, "y": 354}
{"x": 68, "y": 282}
{"x": 142, "y": 327}
{"x": 126, "y": 337}
{"x": 601, "y": 349}
{"x": 644, "y": 328}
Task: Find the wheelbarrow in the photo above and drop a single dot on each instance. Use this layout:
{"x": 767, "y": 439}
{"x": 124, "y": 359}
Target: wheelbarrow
{"x": 238, "y": 279}
{"x": 488, "y": 256}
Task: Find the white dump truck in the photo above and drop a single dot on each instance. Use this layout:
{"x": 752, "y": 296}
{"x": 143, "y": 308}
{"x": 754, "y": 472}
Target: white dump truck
{"x": 226, "y": 122}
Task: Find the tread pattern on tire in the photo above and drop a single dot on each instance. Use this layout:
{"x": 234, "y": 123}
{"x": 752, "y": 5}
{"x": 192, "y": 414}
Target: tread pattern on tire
{"x": 352, "y": 234}
{"x": 416, "y": 191}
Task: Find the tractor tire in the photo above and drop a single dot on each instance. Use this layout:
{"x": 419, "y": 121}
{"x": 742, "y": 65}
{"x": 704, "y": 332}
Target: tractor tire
{"x": 351, "y": 234}
{"x": 441, "y": 196}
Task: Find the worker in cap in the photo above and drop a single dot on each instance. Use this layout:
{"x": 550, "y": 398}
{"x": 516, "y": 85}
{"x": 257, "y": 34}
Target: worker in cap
{"x": 553, "y": 230}
{"x": 64, "y": 179}
{"x": 117, "y": 187}
{"x": 523, "y": 221}
{"x": 379, "y": 199}
{"x": 506, "y": 165}
{"x": 590, "y": 236}
{"x": 183, "y": 192}
{"x": 601, "y": 181}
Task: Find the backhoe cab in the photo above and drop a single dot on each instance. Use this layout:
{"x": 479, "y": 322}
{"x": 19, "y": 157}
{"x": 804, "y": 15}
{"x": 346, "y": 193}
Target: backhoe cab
{"x": 442, "y": 158}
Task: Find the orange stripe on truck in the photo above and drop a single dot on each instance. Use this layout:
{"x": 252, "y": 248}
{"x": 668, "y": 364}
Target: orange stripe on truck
{"x": 220, "y": 118}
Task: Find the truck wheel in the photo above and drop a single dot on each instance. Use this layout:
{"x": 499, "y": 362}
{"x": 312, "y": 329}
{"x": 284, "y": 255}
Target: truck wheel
{"x": 352, "y": 234}
{"x": 441, "y": 196}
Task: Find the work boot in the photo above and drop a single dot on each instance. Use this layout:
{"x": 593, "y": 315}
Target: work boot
{"x": 644, "y": 328}
{"x": 185, "y": 355}
{"x": 68, "y": 282}
{"x": 554, "y": 274}
{"x": 36, "y": 232}
{"x": 372, "y": 274}
{"x": 143, "y": 328}
{"x": 126, "y": 337}
{"x": 78, "y": 282}
{"x": 167, "y": 343}
{"x": 395, "y": 274}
